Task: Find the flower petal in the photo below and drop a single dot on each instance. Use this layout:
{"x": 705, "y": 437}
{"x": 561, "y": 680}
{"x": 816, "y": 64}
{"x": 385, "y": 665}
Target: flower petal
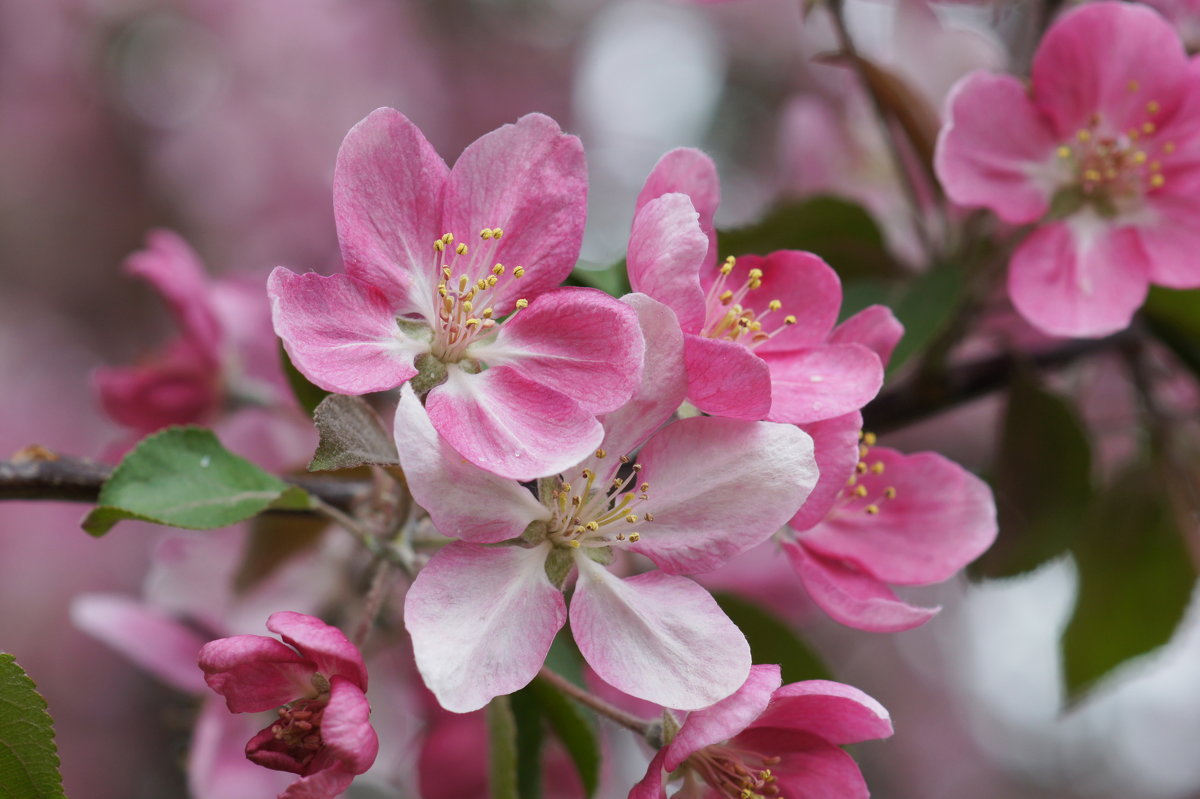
{"x": 875, "y": 327}
{"x": 667, "y": 248}
{"x": 657, "y": 637}
{"x": 346, "y": 726}
{"x": 726, "y": 379}
{"x": 386, "y": 188}
{"x": 838, "y": 713}
{"x": 852, "y": 598}
{"x": 726, "y": 718}
{"x": 809, "y": 768}
{"x": 530, "y": 180}
{"x": 806, "y": 287}
{"x": 340, "y": 333}
{"x": 835, "y": 442}
{"x": 510, "y": 425}
{"x": 151, "y": 639}
{"x": 996, "y": 149}
{"x": 941, "y": 518}
{"x": 1172, "y": 240}
{"x": 255, "y": 673}
{"x": 216, "y": 760}
{"x": 482, "y": 620}
{"x": 176, "y": 272}
{"x": 323, "y": 644}
{"x": 580, "y": 342}
{"x": 687, "y": 171}
{"x": 1079, "y": 278}
{"x": 719, "y": 487}
{"x": 324, "y": 784}
{"x": 463, "y": 500}
{"x": 652, "y": 786}
{"x": 818, "y": 383}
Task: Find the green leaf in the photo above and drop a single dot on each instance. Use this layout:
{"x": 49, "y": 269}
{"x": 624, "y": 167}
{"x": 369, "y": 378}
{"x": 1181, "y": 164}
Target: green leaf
{"x": 841, "y": 232}
{"x": 772, "y": 641}
{"x": 351, "y": 434}
{"x": 308, "y": 395}
{"x": 28, "y": 756}
{"x": 926, "y": 307}
{"x": 531, "y": 735}
{"x": 574, "y": 727}
{"x": 1174, "y": 318}
{"x": 502, "y": 749}
{"x": 613, "y": 279}
{"x": 1042, "y": 481}
{"x": 1135, "y": 581}
{"x": 183, "y": 477}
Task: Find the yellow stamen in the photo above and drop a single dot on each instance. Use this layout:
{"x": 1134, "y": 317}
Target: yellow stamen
{"x": 519, "y": 271}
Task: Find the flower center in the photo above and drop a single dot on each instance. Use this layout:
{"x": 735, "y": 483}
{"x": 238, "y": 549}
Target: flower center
{"x": 865, "y": 491}
{"x": 466, "y": 293}
{"x": 1114, "y": 168}
{"x": 736, "y": 773}
{"x": 299, "y": 727}
{"x": 587, "y": 515}
{"x": 734, "y": 314}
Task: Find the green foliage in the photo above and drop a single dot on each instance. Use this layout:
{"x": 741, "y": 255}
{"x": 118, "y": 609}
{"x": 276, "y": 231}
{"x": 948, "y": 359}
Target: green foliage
{"x": 1135, "y": 581}
{"x": 1042, "y": 481}
{"x": 1174, "y": 318}
{"x": 307, "y": 395}
{"x": 772, "y": 641}
{"x": 183, "y": 477}
{"x": 926, "y": 307}
{"x": 28, "y": 756}
{"x": 352, "y": 434}
{"x": 613, "y": 279}
{"x": 502, "y": 749}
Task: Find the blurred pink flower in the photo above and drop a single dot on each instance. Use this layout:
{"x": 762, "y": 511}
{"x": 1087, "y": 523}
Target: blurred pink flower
{"x": 770, "y": 741}
{"x": 703, "y": 490}
{"x": 317, "y": 679}
{"x": 759, "y": 332}
{"x": 519, "y": 397}
{"x": 1102, "y": 151}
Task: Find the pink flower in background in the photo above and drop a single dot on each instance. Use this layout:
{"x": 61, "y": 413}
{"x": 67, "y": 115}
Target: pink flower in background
{"x": 770, "y": 741}
{"x": 435, "y": 259}
{"x": 759, "y": 332}
{"x": 898, "y": 519}
{"x": 483, "y": 613}
{"x": 317, "y": 680}
{"x": 1102, "y": 150}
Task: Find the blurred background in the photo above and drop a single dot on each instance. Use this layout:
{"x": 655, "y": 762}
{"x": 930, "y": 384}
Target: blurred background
{"x": 221, "y": 119}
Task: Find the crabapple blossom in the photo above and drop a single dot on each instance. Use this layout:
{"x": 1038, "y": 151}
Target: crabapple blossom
{"x": 483, "y": 612}
{"x": 449, "y": 282}
{"x": 768, "y": 740}
{"x": 317, "y": 680}
{"x": 1101, "y": 151}
{"x": 757, "y": 330}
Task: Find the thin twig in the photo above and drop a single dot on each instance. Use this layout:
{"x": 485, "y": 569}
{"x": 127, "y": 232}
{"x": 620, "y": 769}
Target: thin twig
{"x": 627, "y": 720}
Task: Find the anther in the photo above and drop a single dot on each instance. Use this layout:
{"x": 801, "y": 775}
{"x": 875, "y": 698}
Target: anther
{"x": 1157, "y": 181}
{"x": 498, "y": 269}
{"x": 872, "y": 510}
{"x": 575, "y": 543}
{"x": 1132, "y": 86}
{"x": 634, "y": 537}
{"x": 789, "y": 320}
{"x": 890, "y": 492}
{"x": 461, "y": 249}
{"x": 860, "y": 491}
{"x": 1084, "y": 135}
{"x": 1148, "y": 127}
{"x": 1153, "y": 107}
{"x": 725, "y": 297}
{"x": 877, "y": 467}
{"x": 869, "y": 439}
{"x": 1064, "y": 152}
{"x": 774, "y": 305}
{"x": 519, "y": 271}
{"x": 624, "y": 459}
{"x": 649, "y": 517}
{"x": 439, "y": 245}
{"x": 486, "y": 233}
{"x": 861, "y": 467}
{"x": 601, "y": 454}
{"x": 592, "y": 526}
{"x": 644, "y": 487}
{"x": 632, "y": 518}
{"x": 522, "y": 303}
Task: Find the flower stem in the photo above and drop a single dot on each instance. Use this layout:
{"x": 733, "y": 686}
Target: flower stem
{"x": 627, "y": 720}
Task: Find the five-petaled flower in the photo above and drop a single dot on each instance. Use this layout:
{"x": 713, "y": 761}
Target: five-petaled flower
{"x": 317, "y": 680}
{"x": 1102, "y": 150}
{"x": 450, "y": 284}
{"x": 768, "y": 740}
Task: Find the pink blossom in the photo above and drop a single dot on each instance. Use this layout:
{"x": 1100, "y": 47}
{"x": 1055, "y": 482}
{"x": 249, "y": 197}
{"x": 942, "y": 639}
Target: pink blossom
{"x": 1101, "y": 151}
{"x": 483, "y": 613}
{"x": 317, "y": 680}
{"x": 435, "y": 259}
{"x": 758, "y": 331}
{"x": 768, "y": 740}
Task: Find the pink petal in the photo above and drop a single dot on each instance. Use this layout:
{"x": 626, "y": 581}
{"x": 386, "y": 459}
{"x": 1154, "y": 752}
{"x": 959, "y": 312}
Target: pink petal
{"x": 809, "y": 768}
{"x": 386, "y": 190}
{"x": 1079, "y": 277}
{"x": 325, "y": 645}
{"x": 875, "y": 327}
{"x": 217, "y": 767}
{"x": 482, "y": 620}
{"x": 667, "y": 248}
{"x": 1172, "y": 240}
{"x": 324, "y": 784}
{"x": 818, "y": 383}
{"x": 463, "y": 500}
{"x": 719, "y": 487}
{"x": 341, "y": 333}
{"x": 996, "y": 149}
{"x": 510, "y": 425}
{"x": 346, "y": 726}
{"x": 941, "y": 519}
{"x": 1086, "y": 60}
{"x": 726, "y": 718}
{"x": 836, "y": 444}
{"x": 581, "y": 342}
{"x": 174, "y": 269}
{"x": 181, "y": 386}
{"x": 657, "y": 637}
{"x": 726, "y": 379}
{"x": 151, "y": 639}
{"x": 530, "y": 180}
{"x": 687, "y": 171}
{"x": 806, "y": 288}
{"x": 838, "y": 713}
{"x": 852, "y": 598}
{"x": 255, "y": 673}
{"x": 652, "y": 786}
